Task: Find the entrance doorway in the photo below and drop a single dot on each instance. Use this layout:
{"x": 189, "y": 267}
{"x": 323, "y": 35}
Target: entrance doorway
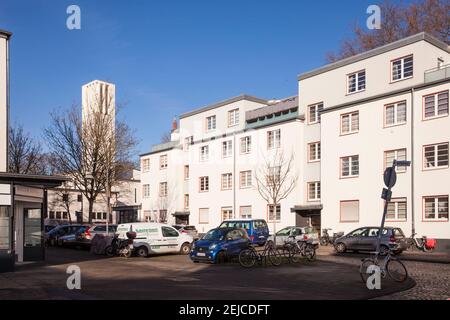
{"x": 33, "y": 248}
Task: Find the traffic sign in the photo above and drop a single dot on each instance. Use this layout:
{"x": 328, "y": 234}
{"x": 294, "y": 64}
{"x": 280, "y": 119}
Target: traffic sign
{"x": 390, "y": 177}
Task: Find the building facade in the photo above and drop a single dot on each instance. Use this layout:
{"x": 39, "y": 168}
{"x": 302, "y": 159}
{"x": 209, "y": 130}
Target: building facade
{"x": 385, "y": 104}
{"x": 351, "y": 119}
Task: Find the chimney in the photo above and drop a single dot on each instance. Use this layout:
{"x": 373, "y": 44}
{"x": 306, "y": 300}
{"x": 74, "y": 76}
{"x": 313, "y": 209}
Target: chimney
{"x": 174, "y": 124}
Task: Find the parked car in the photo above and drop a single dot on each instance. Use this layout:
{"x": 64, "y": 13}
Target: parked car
{"x": 51, "y": 237}
{"x": 155, "y": 238}
{"x": 100, "y": 229}
{"x": 189, "y": 230}
{"x": 365, "y": 239}
{"x": 257, "y": 229}
{"x": 300, "y": 233}
{"x": 48, "y": 228}
{"x": 76, "y": 239}
{"x": 219, "y": 244}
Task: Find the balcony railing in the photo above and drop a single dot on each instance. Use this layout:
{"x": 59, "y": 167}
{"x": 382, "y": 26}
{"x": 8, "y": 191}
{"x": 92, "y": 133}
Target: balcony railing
{"x": 438, "y": 73}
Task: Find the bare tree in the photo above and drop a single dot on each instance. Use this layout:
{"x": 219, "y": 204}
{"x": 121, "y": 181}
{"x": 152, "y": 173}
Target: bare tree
{"x": 25, "y": 154}
{"x": 276, "y": 179}
{"x": 95, "y": 150}
{"x": 166, "y": 137}
{"x": 63, "y": 197}
{"x": 399, "y": 21}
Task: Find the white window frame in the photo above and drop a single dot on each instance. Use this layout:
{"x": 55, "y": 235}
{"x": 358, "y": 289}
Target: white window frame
{"x": 227, "y": 148}
{"x": 351, "y": 116}
{"x": 146, "y": 191}
{"x": 204, "y": 153}
{"x": 186, "y": 172}
{"x": 187, "y": 143}
{"x": 201, "y": 212}
{"x": 163, "y": 189}
{"x": 396, "y": 157}
{"x": 396, "y": 120}
{"x": 226, "y": 181}
{"x": 203, "y": 181}
{"x": 350, "y": 166}
{"x": 226, "y": 213}
{"x": 314, "y": 155}
{"x": 186, "y": 201}
{"x": 211, "y": 123}
{"x": 395, "y": 202}
{"x": 245, "y": 179}
{"x": 360, "y": 76}
{"x": 436, "y": 105}
{"x": 246, "y": 144}
{"x": 146, "y": 165}
{"x": 245, "y": 216}
{"x": 402, "y": 68}
{"x": 317, "y": 191}
{"x": 163, "y": 162}
{"x": 273, "y": 139}
{"x": 233, "y": 117}
{"x": 435, "y": 206}
{"x": 436, "y": 156}
{"x": 315, "y": 109}
{"x": 276, "y": 214}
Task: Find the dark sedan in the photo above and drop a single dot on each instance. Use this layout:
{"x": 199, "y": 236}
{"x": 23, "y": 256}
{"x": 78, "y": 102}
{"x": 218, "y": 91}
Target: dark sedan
{"x": 365, "y": 239}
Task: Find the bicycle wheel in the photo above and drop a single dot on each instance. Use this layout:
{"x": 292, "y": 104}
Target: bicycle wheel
{"x": 397, "y": 270}
{"x": 310, "y": 253}
{"x": 296, "y": 255}
{"x": 365, "y": 264}
{"x": 274, "y": 257}
{"x": 247, "y": 258}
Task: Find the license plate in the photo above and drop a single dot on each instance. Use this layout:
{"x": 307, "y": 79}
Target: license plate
{"x": 201, "y": 254}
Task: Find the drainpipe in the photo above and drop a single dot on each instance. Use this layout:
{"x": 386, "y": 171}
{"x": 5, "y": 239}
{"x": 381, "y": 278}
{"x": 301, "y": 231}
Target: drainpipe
{"x": 413, "y": 226}
{"x": 234, "y": 175}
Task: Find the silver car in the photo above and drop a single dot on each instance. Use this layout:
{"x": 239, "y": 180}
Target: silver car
{"x": 100, "y": 229}
{"x": 300, "y": 233}
{"x": 188, "y": 230}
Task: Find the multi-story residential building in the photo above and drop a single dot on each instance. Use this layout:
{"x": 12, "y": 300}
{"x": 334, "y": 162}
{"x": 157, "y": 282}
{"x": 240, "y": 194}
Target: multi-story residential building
{"x": 208, "y": 171}
{"x": 384, "y": 104}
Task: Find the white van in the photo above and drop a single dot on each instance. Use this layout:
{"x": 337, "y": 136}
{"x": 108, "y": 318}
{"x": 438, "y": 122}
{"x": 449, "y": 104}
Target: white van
{"x": 155, "y": 238}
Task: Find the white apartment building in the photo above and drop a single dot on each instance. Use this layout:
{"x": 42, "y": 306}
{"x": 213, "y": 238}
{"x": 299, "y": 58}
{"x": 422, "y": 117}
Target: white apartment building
{"x": 350, "y": 120}
{"x": 388, "y": 103}
{"x": 207, "y": 173}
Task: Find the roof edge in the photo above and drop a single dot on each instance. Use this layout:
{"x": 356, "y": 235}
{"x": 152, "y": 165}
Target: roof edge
{"x": 423, "y": 36}
{"x": 5, "y": 33}
{"x": 222, "y": 103}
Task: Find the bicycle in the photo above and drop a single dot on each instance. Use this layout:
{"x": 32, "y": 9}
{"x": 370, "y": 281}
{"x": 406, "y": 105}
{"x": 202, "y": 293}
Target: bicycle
{"x": 249, "y": 257}
{"x": 424, "y": 244}
{"x": 390, "y": 265}
{"x": 295, "y": 249}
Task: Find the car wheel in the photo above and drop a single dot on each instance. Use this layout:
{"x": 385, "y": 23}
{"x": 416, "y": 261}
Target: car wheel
{"x": 109, "y": 251}
{"x": 185, "y": 248}
{"x": 142, "y": 252}
{"x": 220, "y": 257}
{"x": 340, "y": 247}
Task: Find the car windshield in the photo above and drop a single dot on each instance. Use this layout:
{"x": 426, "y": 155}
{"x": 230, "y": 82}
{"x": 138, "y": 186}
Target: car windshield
{"x": 284, "y": 232}
{"x": 192, "y": 228}
{"x": 236, "y": 224}
{"x": 214, "y": 235}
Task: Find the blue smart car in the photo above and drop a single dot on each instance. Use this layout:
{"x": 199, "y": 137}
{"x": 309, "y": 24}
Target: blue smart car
{"x": 257, "y": 229}
{"x": 219, "y": 244}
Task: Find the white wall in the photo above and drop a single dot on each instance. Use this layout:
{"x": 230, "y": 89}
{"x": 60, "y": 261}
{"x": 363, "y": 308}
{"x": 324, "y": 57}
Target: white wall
{"x": 3, "y": 104}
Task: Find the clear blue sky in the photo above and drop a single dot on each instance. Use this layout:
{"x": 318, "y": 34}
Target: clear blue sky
{"x": 166, "y": 57}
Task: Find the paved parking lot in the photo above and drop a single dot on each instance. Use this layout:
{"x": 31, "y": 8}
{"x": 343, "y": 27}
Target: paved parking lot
{"x": 176, "y": 277}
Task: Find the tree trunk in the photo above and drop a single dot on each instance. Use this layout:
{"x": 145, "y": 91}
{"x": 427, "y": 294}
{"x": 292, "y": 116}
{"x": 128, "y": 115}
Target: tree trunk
{"x": 91, "y": 207}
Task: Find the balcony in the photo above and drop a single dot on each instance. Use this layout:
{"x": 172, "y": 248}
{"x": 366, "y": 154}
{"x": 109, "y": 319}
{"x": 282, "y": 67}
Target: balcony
{"x": 438, "y": 73}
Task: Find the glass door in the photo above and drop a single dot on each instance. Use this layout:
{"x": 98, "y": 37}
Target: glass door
{"x": 33, "y": 249}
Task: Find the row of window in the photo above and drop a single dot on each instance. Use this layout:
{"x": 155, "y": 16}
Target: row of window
{"x": 232, "y": 120}
{"x": 435, "y": 208}
{"x": 435, "y": 105}
{"x": 245, "y": 212}
{"x": 163, "y": 163}
{"x": 401, "y": 69}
